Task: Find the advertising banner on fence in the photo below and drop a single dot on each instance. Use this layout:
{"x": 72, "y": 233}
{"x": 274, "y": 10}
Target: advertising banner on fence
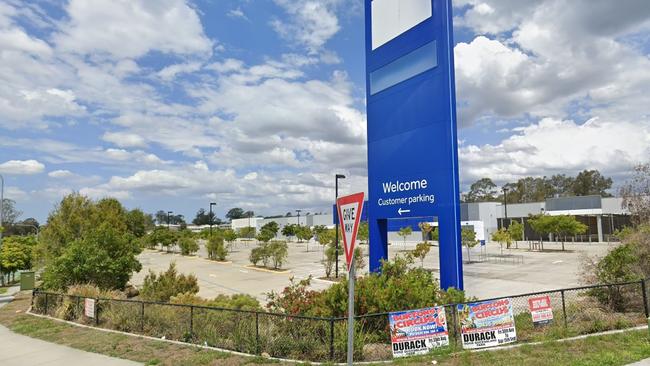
{"x": 540, "y": 310}
{"x": 487, "y": 323}
{"x": 89, "y": 307}
{"x": 416, "y": 332}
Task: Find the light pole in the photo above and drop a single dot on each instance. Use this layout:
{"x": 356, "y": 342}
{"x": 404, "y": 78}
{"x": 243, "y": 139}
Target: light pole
{"x": 336, "y": 197}
{"x": 298, "y": 211}
{"x": 250, "y": 213}
{"x": 168, "y": 213}
{"x": 505, "y": 206}
{"x": 211, "y": 204}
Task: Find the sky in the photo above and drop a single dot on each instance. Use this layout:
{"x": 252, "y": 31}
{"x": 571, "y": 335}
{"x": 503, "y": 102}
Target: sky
{"x": 172, "y": 104}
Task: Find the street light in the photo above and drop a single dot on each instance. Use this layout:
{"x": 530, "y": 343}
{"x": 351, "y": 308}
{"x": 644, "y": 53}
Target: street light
{"x": 168, "y": 213}
{"x": 505, "y": 206}
{"x": 211, "y": 204}
{"x": 298, "y": 211}
{"x": 336, "y": 195}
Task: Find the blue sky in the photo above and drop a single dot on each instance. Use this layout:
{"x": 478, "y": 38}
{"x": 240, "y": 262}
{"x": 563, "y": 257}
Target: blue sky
{"x": 172, "y": 104}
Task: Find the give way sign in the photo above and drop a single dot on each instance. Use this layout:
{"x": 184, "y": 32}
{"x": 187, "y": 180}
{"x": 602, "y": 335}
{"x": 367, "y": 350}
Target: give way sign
{"x": 349, "y": 210}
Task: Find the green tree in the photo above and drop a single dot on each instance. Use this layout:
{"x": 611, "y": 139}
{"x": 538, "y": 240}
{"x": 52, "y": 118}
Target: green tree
{"x": 88, "y": 241}
{"x": 426, "y": 228}
{"x": 561, "y": 185}
{"x": 230, "y": 235}
{"x": 421, "y": 250}
{"x": 71, "y": 219}
{"x": 330, "y": 256}
{"x": 303, "y": 233}
{"x": 502, "y": 236}
{"x": 278, "y": 251}
{"x": 188, "y": 245}
{"x": 362, "y": 233}
{"x": 105, "y": 257}
{"x": 542, "y": 225}
{"x": 483, "y": 190}
{"x": 435, "y": 234}
{"x": 138, "y": 223}
{"x": 565, "y": 225}
{"x": 468, "y": 238}
{"x": 404, "y": 232}
{"x": 216, "y": 248}
{"x": 272, "y": 227}
{"x": 246, "y": 232}
{"x": 15, "y": 254}
{"x": 289, "y": 230}
{"x": 265, "y": 236}
{"x": 235, "y": 213}
{"x": 516, "y": 230}
{"x": 164, "y": 286}
{"x": 591, "y": 182}
{"x": 9, "y": 212}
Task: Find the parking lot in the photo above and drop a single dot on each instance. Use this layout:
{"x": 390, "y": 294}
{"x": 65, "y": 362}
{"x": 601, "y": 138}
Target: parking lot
{"x": 524, "y": 271}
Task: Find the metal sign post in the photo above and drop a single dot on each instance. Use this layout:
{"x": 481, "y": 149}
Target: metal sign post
{"x": 349, "y": 210}
{"x": 351, "y": 314}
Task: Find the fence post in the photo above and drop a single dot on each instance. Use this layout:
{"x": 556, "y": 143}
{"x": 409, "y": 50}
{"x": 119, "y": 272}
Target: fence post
{"x": 96, "y": 312}
{"x": 645, "y": 299}
{"x": 80, "y": 311}
{"x": 191, "y": 323}
{"x": 331, "y": 339}
{"x": 563, "y": 308}
{"x": 45, "y": 312}
{"x": 142, "y": 317}
{"x": 257, "y": 333}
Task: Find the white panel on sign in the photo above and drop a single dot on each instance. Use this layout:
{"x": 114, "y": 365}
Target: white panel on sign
{"x": 390, "y": 18}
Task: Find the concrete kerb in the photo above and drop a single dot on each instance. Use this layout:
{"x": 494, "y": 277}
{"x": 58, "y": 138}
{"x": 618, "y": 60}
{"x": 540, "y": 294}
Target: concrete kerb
{"x": 492, "y": 349}
{"x": 255, "y": 268}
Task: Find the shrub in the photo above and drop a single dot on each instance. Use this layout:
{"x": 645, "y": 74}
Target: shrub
{"x": 421, "y": 250}
{"x": 257, "y": 254}
{"x": 188, "y": 245}
{"x": 216, "y": 248}
{"x": 278, "y": 251}
{"x": 167, "y": 284}
{"x": 105, "y": 257}
{"x": 397, "y": 287}
{"x": 330, "y": 259}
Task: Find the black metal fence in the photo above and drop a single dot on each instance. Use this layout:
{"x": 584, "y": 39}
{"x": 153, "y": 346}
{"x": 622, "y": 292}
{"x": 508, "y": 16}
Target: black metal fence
{"x": 576, "y": 311}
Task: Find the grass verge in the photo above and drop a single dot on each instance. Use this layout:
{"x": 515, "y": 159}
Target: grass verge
{"x": 613, "y": 349}
{"x": 147, "y": 351}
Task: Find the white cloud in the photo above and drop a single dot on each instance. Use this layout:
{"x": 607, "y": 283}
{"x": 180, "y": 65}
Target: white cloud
{"x": 15, "y": 193}
{"x": 60, "y": 174}
{"x": 124, "y": 139}
{"x": 168, "y": 73}
{"x": 21, "y": 167}
{"x": 129, "y": 28}
{"x": 313, "y": 22}
{"x": 559, "y": 146}
{"x": 237, "y": 13}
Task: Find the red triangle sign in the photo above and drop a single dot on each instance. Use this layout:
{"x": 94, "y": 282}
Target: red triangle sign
{"x": 349, "y": 212}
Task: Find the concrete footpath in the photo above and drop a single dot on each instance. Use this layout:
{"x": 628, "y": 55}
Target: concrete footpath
{"x": 20, "y": 350}
{"x": 645, "y": 362}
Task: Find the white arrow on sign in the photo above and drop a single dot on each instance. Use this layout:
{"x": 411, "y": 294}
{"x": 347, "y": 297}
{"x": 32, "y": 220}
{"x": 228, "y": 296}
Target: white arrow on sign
{"x": 400, "y": 211}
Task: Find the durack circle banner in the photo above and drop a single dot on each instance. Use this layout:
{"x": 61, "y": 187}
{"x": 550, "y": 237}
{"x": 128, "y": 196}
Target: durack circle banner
{"x": 487, "y": 323}
{"x": 540, "y": 310}
{"x": 416, "y": 332}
